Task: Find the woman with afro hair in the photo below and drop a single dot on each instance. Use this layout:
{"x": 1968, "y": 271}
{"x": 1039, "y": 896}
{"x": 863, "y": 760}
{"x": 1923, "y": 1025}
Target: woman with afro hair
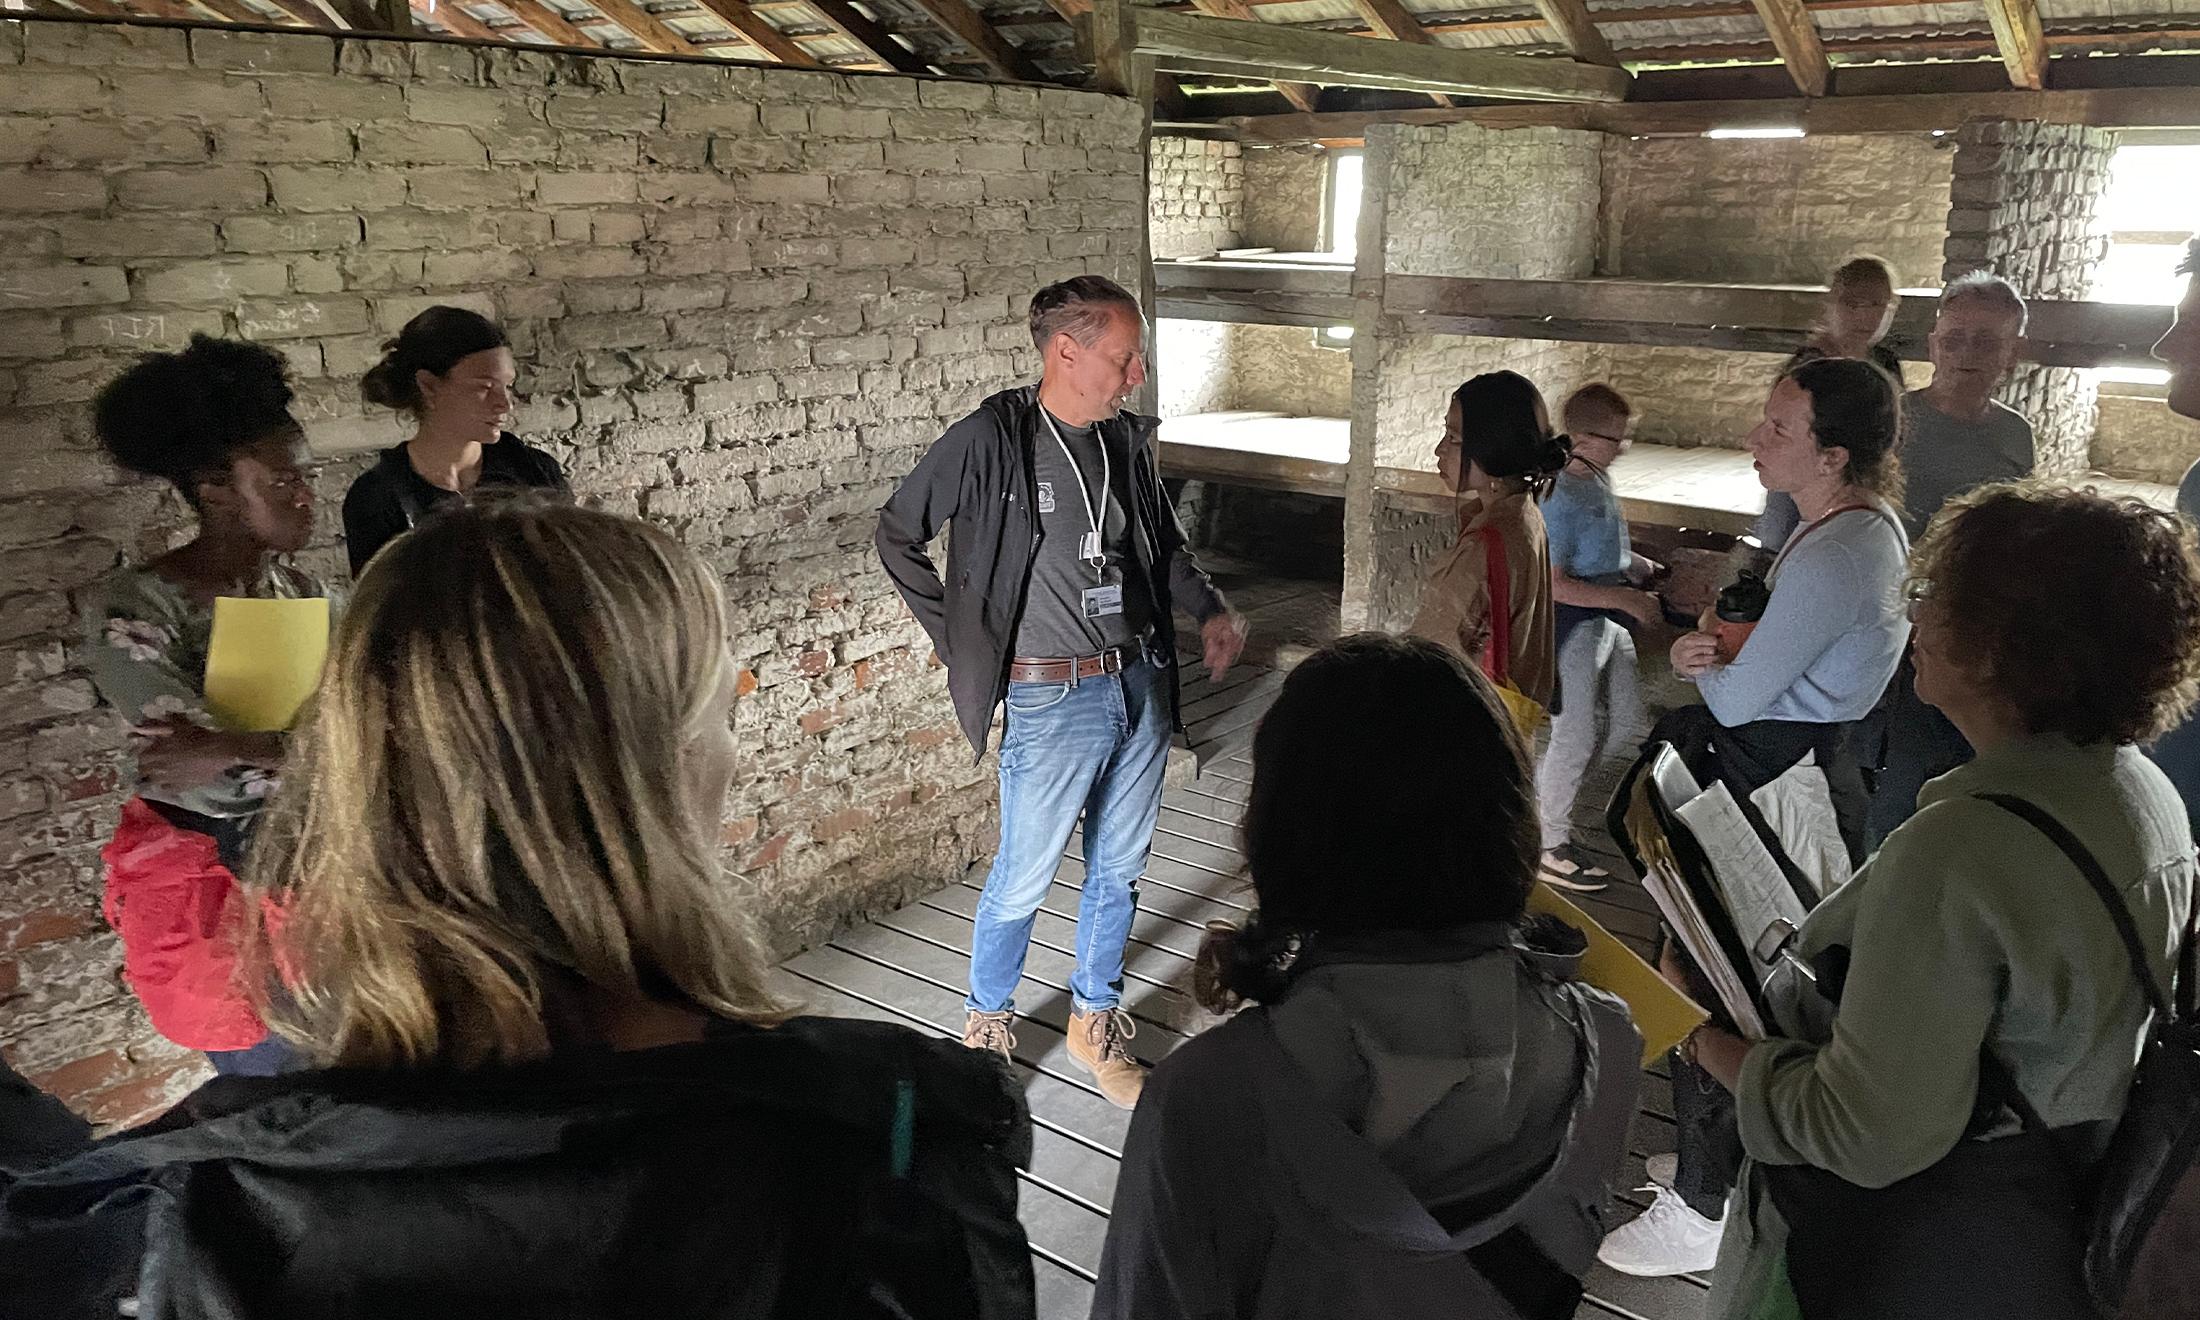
{"x": 214, "y": 421}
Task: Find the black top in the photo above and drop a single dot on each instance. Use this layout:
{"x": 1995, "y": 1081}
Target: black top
{"x": 390, "y": 497}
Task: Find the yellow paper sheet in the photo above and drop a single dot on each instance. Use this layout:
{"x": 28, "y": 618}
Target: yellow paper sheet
{"x": 1663, "y": 1014}
{"x": 264, "y": 660}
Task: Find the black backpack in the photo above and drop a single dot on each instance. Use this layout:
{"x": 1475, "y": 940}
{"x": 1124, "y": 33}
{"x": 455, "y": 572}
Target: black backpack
{"x": 2153, "y": 1159}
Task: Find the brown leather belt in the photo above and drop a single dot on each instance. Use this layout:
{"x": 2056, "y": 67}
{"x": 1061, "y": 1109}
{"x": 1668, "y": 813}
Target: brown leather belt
{"x": 1025, "y": 669}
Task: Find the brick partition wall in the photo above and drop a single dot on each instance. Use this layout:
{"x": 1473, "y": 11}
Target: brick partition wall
{"x": 2023, "y": 207}
{"x": 743, "y": 302}
{"x": 1196, "y": 198}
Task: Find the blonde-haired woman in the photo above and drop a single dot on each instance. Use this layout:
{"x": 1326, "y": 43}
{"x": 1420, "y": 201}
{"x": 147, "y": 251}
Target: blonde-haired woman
{"x": 557, "y": 1078}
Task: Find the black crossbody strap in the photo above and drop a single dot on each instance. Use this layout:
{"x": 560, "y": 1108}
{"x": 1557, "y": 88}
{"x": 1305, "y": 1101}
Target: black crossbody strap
{"x": 2118, "y": 911}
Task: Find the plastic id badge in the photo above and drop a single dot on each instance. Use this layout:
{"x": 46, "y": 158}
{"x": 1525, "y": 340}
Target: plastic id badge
{"x": 1103, "y": 601}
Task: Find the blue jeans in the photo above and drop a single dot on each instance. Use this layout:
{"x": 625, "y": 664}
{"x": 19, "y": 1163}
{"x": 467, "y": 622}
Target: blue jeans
{"x": 1094, "y": 748}
{"x": 269, "y": 1058}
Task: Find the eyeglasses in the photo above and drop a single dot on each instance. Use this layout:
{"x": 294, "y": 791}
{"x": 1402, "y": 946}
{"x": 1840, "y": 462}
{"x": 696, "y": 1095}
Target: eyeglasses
{"x": 1915, "y": 593}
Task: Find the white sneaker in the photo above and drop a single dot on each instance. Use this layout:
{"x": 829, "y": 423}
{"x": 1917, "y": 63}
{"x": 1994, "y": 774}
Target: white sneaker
{"x": 1668, "y": 1238}
{"x": 1663, "y": 1169}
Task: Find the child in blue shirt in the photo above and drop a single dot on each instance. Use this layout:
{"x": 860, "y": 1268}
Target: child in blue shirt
{"x": 1596, "y": 580}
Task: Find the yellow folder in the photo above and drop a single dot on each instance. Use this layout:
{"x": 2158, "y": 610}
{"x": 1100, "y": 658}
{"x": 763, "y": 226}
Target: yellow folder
{"x": 264, "y": 660}
{"x": 1663, "y": 1014}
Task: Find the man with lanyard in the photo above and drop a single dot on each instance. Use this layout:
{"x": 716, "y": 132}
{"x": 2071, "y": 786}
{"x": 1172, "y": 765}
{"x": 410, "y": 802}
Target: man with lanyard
{"x": 1063, "y": 570}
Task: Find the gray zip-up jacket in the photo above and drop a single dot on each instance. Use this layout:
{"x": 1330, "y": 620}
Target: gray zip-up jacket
{"x": 981, "y": 477}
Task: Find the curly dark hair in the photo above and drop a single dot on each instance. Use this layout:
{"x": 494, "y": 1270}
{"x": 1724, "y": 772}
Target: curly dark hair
{"x": 2081, "y": 610}
{"x": 1391, "y": 792}
{"x": 1856, "y": 406}
{"x": 433, "y": 342}
{"x": 184, "y": 416}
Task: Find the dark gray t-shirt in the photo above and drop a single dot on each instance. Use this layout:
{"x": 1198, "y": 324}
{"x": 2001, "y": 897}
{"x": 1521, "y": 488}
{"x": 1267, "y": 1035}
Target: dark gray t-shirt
{"x": 1055, "y": 624}
{"x": 1943, "y": 457}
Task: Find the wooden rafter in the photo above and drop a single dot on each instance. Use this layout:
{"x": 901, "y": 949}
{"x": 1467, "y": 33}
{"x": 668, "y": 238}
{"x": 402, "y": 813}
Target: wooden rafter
{"x": 2017, "y": 36}
{"x": 447, "y": 14}
{"x": 759, "y": 32}
{"x": 643, "y": 26}
{"x": 1390, "y": 18}
{"x": 1302, "y": 96}
{"x": 968, "y": 26}
{"x": 1577, "y": 28}
{"x": 552, "y": 25}
{"x": 312, "y": 15}
{"x": 869, "y": 34}
{"x": 1796, "y": 38}
{"x": 1185, "y": 43}
{"x": 235, "y": 11}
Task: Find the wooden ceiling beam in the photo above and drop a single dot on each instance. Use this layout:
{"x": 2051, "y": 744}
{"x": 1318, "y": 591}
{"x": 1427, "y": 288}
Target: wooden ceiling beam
{"x": 2017, "y": 36}
{"x": 641, "y": 25}
{"x": 1302, "y": 96}
{"x": 968, "y": 26}
{"x": 446, "y": 14}
{"x": 1577, "y": 28}
{"x": 869, "y": 34}
{"x": 2110, "y": 107}
{"x": 553, "y": 26}
{"x": 759, "y": 32}
{"x": 1390, "y": 19}
{"x": 1185, "y": 43}
{"x": 1796, "y": 38}
{"x": 312, "y": 15}
{"x": 234, "y": 11}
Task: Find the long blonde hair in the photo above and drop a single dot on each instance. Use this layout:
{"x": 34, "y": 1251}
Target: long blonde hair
{"x": 486, "y": 809}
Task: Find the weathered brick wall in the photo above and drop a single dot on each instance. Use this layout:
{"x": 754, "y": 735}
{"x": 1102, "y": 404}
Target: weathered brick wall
{"x": 1279, "y": 368}
{"x": 1505, "y": 204}
{"x": 1695, "y": 396}
{"x": 2023, "y": 207}
{"x": 1773, "y": 211}
{"x": 1191, "y": 366}
{"x": 2140, "y": 438}
{"x": 1284, "y": 196}
{"x": 1196, "y": 197}
{"x": 743, "y": 302}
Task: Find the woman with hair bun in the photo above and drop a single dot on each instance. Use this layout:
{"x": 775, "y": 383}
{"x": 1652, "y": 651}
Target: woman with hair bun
{"x": 1416, "y": 1118}
{"x": 214, "y": 420}
{"x": 451, "y": 371}
{"x": 1497, "y": 455}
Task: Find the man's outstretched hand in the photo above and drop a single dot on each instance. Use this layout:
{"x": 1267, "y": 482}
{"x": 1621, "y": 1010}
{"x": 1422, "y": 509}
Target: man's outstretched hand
{"x": 1221, "y": 639}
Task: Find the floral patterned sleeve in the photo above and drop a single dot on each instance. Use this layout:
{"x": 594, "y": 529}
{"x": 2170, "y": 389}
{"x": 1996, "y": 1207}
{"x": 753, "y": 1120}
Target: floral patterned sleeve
{"x": 136, "y": 646}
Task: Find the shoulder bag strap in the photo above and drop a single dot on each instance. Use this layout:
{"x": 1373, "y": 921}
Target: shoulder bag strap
{"x": 1499, "y": 572}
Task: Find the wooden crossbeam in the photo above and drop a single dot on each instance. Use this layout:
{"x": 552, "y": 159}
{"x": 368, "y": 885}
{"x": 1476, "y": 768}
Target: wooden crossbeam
{"x": 1796, "y": 38}
{"x": 312, "y": 15}
{"x": 552, "y": 25}
{"x": 236, "y": 11}
{"x": 968, "y": 26}
{"x": 1390, "y": 18}
{"x": 2017, "y": 36}
{"x": 759, "y": 33}
{"x": 1304, "y": 96}
{"x": 1578, "y": 29}
{"x": 869, "y": 34}
{"x": 641, "y": 25}
{"x": 1185, "y": 43}
{"x": 2112, "y": 107}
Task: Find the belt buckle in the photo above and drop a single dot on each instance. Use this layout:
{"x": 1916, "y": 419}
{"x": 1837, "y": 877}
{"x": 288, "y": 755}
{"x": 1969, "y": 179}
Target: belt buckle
{"x": 1111, "y": 661}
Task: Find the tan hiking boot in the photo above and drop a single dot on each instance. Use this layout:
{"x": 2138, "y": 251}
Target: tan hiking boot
{"x": 1096, "y": 1043}
{"x": 990, "y": 1031}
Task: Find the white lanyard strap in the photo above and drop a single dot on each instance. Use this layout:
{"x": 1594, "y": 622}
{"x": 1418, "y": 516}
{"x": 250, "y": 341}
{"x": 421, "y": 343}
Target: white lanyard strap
{"x": 1100, "y": 563}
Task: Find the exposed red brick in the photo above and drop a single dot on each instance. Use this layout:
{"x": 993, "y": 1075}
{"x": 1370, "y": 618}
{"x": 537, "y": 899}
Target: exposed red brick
{"x": 841, "y": 822}
{"x": 28, "y": 928}
{"x": 97, "y": 782}
{"x": 924, "y": 740}
{"x": 771, "y": 850}
{"x": 814, "y": 663}
{"x": 82, "y": 1077}
{"x": 143, "y": 1096}
{"x": 828, "y": 598}
{"x": 863, "y": 674}
{"x": 11, "y": 976}
{"x": 737, "y": 832}
{"x": 821, "y": 719}
{"x": 744, "y": 682}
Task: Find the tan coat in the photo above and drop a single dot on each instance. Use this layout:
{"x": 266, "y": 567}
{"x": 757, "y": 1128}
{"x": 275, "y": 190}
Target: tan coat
{"x": 1455, "y": 605}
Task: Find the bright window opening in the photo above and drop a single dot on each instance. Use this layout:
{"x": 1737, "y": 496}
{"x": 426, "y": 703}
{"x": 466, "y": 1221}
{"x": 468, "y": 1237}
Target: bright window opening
{"x": 2150, "y": 210}
{"x": 1341, "y": 218}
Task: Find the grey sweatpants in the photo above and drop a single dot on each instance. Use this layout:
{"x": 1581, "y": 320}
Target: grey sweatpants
{"x": 1596, "y": 677}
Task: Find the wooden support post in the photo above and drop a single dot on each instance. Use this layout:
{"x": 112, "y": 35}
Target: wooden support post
{"x": 868, "y": 33}
{"x": 1796, "y": 38}
{"x": 1369, "y": 333}
{"x": 1578, "y": 29}
{"x": 759, "y": 33}
{"x": 1114, "y": 69}
{"x": 394, "y": 16}
{"x": 2017, "y": 36}
{"x": 547, "y": 21}
{"x": 1302, "y": 96}
{"x": 968, "y": 26}
{"x": 641, "y": 25}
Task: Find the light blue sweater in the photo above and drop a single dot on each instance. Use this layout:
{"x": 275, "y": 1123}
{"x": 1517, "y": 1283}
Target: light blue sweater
{"x": 1832, "y": 634}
